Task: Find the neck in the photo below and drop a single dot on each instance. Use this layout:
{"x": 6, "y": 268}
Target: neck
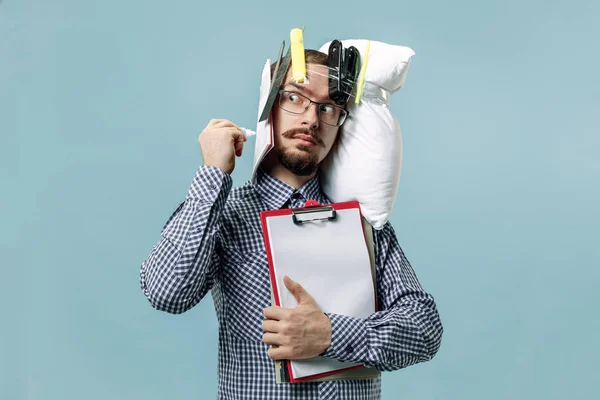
{"x": 278, "y": 171}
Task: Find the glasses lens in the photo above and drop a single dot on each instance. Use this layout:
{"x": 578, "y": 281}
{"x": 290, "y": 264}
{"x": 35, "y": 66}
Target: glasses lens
{"x": 298, "y": 104}
{"x": 331, "y": 115}
{"x": 293, "y": 102}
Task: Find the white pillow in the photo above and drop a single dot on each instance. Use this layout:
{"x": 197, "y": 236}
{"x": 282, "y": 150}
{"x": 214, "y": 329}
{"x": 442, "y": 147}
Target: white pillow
{"x": 366, "y": 162}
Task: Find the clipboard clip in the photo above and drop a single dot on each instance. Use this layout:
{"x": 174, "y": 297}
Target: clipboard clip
{"x": 312, "y": 213}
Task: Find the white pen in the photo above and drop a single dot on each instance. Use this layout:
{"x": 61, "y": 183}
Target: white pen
{"x": 248, "y": 132}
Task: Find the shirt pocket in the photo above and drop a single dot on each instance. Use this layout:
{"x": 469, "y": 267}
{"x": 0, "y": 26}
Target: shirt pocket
{"x": 247, "y": 290}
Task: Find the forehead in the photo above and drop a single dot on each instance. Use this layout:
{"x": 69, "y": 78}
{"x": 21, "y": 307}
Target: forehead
{"x": 315, "y": 86}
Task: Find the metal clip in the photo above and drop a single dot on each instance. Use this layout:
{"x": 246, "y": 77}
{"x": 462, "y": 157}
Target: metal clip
{"x": 301, "y": 216}
{"x": 343, "y": 71}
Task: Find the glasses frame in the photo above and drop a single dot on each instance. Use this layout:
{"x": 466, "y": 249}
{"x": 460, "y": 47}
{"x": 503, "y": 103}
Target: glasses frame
{"x": 311, "y": 102}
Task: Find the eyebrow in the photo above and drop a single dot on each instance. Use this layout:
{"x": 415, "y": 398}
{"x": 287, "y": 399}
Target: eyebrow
{"x": 308, "y": 91}
{"x": 300, "y": 87}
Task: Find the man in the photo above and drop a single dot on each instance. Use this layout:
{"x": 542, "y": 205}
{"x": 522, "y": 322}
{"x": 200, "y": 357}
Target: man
{"x": 213, "y": 241}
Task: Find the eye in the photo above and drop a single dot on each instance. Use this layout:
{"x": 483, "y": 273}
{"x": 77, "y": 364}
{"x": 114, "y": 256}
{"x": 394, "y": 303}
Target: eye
{"x": 327, "y": 109}
{"x": 294, "y": 97}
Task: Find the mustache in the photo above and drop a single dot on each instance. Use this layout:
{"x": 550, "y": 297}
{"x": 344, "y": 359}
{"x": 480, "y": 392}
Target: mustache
{"x": 309, "y": 132}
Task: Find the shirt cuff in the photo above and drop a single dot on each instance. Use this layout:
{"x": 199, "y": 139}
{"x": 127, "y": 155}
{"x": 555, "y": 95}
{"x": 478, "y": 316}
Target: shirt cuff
{"x": 348, "y": 338}
{"x": 209, "y": 182}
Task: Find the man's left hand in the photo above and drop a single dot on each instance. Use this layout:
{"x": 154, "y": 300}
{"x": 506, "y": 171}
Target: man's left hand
{"x": 296, "y": 333}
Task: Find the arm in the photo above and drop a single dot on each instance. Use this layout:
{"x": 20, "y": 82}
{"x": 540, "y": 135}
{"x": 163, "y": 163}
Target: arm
{"x": 181, "y": 267}
{"x": 405, "y": 331}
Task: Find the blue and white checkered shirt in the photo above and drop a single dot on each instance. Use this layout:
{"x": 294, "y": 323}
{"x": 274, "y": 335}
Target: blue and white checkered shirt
{"x": 213, "y": 241}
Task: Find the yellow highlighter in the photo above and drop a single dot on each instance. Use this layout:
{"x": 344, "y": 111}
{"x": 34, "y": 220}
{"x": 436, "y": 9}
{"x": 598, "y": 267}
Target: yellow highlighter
{"x": 363, "y": 72}
{"x": 298, "y": 62}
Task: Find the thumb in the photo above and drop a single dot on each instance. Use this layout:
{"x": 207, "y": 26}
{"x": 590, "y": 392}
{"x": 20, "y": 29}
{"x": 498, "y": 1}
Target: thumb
{"x": 239, "y": 143}
{"x": 239, "y": 147}
{"x": 297, "y": 290}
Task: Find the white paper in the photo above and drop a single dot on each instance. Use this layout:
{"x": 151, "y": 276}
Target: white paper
{"x": 264, "y": 134}
{"x": 330, "y": 260}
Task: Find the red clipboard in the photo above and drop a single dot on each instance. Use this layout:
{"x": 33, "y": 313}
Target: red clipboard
{"x": 296, "y": 221}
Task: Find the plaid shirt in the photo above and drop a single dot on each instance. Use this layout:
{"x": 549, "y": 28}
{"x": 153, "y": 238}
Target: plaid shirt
{"x": 213, "y": 241}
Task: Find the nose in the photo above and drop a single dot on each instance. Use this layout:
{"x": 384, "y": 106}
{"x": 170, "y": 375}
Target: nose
{"x": 310, "y": 118}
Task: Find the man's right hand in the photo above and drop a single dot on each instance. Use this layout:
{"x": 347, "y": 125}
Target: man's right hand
{"x": 220, "y": 142}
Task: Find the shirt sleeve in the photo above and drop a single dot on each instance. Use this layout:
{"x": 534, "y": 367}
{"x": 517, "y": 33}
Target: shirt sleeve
{"x": 181, "y": 267}
{"x": 405, "y": 331}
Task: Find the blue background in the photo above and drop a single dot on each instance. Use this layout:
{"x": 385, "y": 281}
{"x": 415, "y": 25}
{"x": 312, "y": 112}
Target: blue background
{"x": 101, "y": 104}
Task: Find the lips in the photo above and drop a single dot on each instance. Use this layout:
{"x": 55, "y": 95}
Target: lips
{"x": 306, "y": 139}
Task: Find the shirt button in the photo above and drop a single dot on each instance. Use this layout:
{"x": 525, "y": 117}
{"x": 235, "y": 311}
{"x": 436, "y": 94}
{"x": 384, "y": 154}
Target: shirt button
{"x": 213, "y": 186}
{"x": 349, "y": 349}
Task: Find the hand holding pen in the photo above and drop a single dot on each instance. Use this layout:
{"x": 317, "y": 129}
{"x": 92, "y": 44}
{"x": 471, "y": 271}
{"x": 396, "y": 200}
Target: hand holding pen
{"x": 221, "y": 141}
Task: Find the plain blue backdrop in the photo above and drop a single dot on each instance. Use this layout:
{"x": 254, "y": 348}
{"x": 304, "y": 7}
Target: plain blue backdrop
{"x": 101, "y": 104}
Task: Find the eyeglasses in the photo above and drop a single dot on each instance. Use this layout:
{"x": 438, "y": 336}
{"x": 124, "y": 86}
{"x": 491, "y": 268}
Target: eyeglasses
{"x": 296, "y": 103}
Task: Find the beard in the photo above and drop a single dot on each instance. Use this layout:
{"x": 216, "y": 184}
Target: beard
{"x": 300, "y": 160}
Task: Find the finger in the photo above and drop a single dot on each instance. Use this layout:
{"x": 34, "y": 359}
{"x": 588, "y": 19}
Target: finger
{"x": 213, "y": 123}
{"x": 277, "y": 353}
{"x": 239, "y": 147}
{"x": 270, "y": 325}
{"x": 297, "y": 290}
{"x": 237, "y": 137}
{"x": 224, "y": 123}
{"x": 275, "y": 313}
{"x": 217, "y": 123}
{"x": 272, "y": 339}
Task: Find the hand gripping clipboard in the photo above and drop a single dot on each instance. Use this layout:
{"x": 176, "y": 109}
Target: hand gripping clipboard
{"x": 329, "y": 250}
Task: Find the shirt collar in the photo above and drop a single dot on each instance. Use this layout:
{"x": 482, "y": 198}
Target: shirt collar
{"x": 275, "y": 193}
